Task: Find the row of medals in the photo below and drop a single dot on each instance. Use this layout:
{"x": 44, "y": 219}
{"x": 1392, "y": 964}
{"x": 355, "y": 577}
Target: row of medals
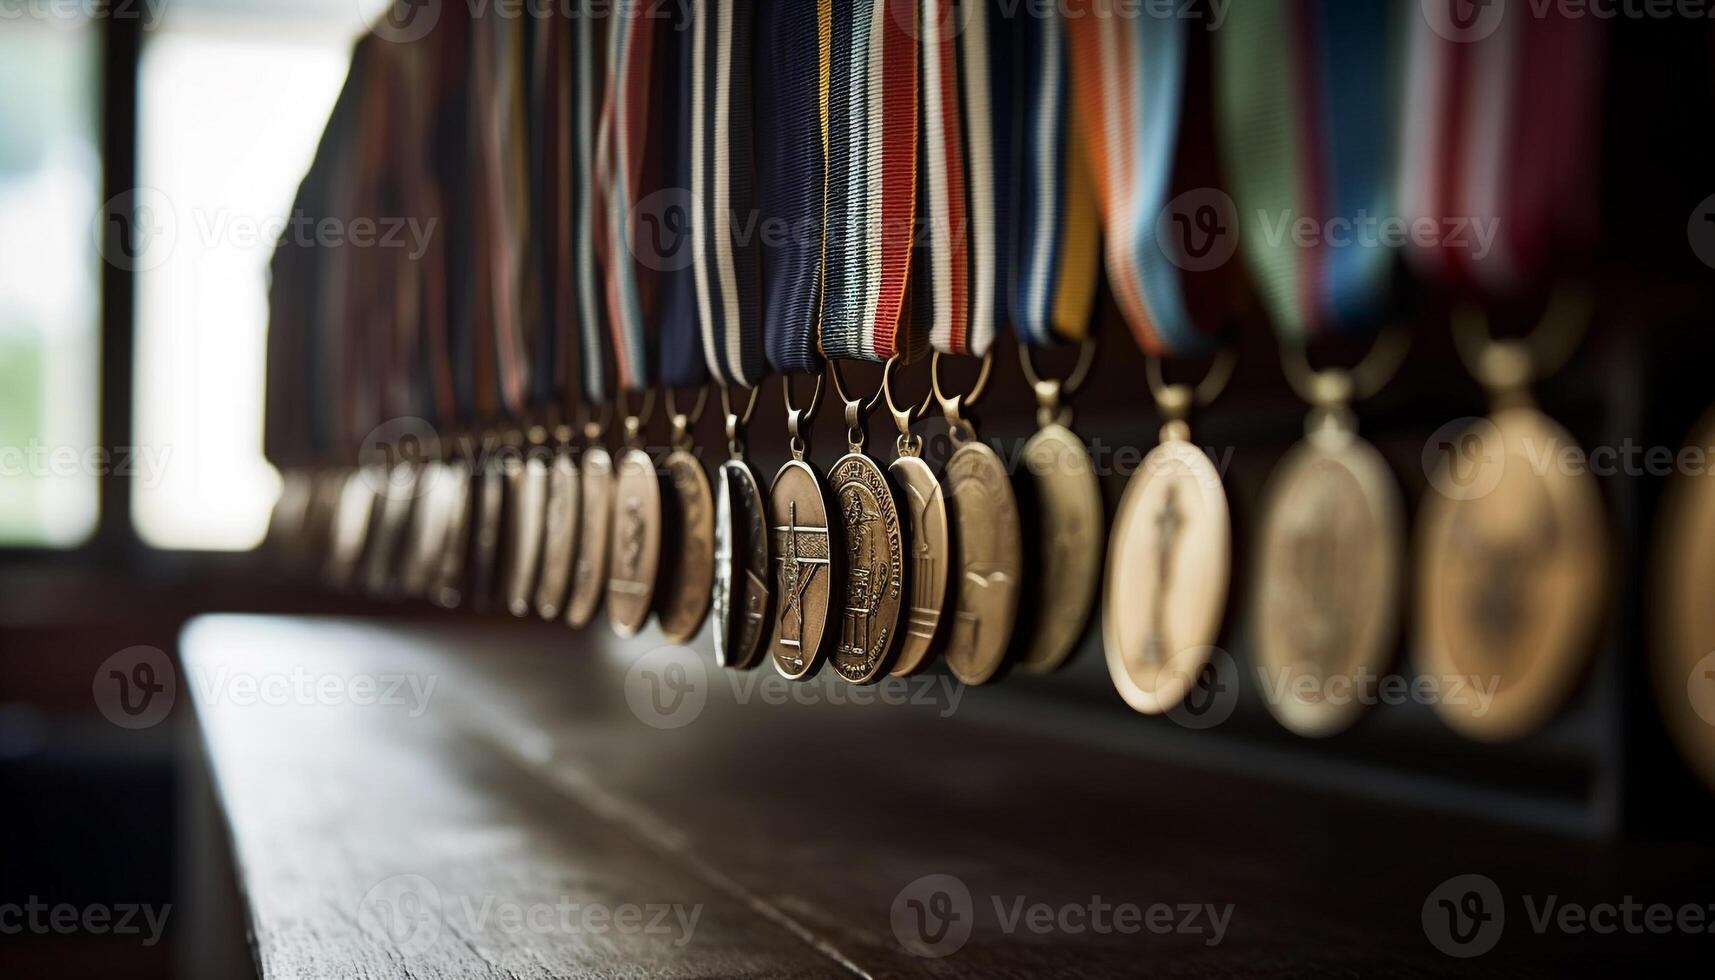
{"x": 878, "y": 571}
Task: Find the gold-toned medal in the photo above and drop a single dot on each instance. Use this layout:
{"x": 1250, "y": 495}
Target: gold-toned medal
{"x": 988, "y": 542}
{"x": 560, "y": 534}
{"x": 448, "y": 583}
{"x": 1330, "y": 555}
{"x": 1069, "y": 524}
{"x": 1684, "y": 642}
{"x": 527, "y": 489}
{"x": 596, "y": 493}
{"x": 489, "y": 513}
{"x": 1169, "y": 558}
{"x": 634, "y": 554}
{"x": 1512, "y": 550}
{"x": 688, "y": 569}
{"x": 357, "y": 504}
{"x": 807, "y": 567}
{"x": 740, "y": 596}
{"x": 427, "y": 537}
{"x": 928, "y": 536}
{"x": 874, "y": 552}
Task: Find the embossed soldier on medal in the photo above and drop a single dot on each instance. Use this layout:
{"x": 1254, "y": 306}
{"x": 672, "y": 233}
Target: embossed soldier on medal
{"x": 688, "y": 565}
{"x": 807, "y": 568}
{"x": 927, "y": 532}
{"x": 634, "y": 554}
{"x": 740, "y": 595}
{"x": 1169, "y": 558}
{"x": 874, "y": 550}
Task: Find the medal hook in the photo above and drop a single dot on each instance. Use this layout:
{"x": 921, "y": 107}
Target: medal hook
{"x": 634, "y": 423}
{"x": 1507, "y": 367}
{"x": 1175, "y": 401}
{"x": 907, "y": 444}
{"x": 954, "y": 407}
{"x": 798, "y": 419}
{"x": 595, "y": 420}
{"x": 1336, "y": 387}
{"x": 857, "y": 410}
{"x": 1050, "y": 391}
{"x": 683, "y": 422}
{"x": 737, "y": 422}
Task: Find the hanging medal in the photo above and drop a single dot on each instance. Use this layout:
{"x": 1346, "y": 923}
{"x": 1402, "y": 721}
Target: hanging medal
{"x": 588, "y": 252}
{"x": 1169, "y": 552}
{"x": 1050, "y": 252}
{"x": 1309, "y": 130}
{"x": 928, "y": 532}
{"x": 1511, "y": 553}
{"x": 726, "y": 268}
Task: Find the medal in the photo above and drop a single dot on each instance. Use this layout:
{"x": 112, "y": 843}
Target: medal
{"x": 806, "y": 566}
{"x": 873, "y": 552}
{"x": 357, "y": 504}
{"x": 988, "y": 544}
{"x": 527, "y": 487}
{"x": 392, "y": 511}
{"x": 740, "y": 595}
{"x": 448, "y": 583}
{"x": 1512, "y": 551}
{"x": 488, "y": 514}
{"x": 928, "y": 537}
{"x": 1684, "y": 638}
{"x": 597, "y": 492}
{"x": 560, "y": 534}
{"x": 688, "y": 573}
{"x": 428, "y": 531}
{"x": 634, "y": 548}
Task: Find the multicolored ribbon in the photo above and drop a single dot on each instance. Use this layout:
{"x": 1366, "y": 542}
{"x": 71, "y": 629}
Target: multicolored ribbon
{"x": 872, "y": 176}
{"x": 498, "y": 68}
{"x": 1308, "y": 121}
{"x": 1130, "y": 74}
{"x": 587, "y": 244}
{"x": 794, "y": 45}
{"x": 1049, "y": 230}
{"x": 724, "y": 254}
{"x": 1501, "y": 142}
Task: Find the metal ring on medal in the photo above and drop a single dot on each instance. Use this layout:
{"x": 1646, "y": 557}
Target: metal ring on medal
{"x": 990, "y": 563}
{"x": 806, "y": 569}
{"x": 740, "y": 594}
{"x": 688, "y": 575}
{"x": 559, "y": 551}
{"x": 930, "y": 559}
{"x": 1071, "y": 528}
{"x": 1684, "y": 643}
{"x": 1330, "y": 557}
{"x": 589, "y": 571}
{"x": 1169, "y": 560}
{"x": 1509, "y": 580}
{"x": 874, "y": 568}
{"x": 634, "y": 553}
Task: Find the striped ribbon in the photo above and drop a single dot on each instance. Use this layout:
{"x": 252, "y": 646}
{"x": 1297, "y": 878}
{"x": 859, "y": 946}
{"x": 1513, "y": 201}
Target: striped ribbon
{"x": 794, "y": 46}
{"x": 587, "y": 243}
{"x": 1052, "y": 238}
{"x": 1129, "y": 72}
{"x": 499, "y": 70}
{"x": 681, "y": 348}
{"x": 1500, "y": 146}
{"x": 725, "y": 259}
{"x": 1308, "y": 123}
{"x": 871, "y": 176}
{"x": 547, "y": 168}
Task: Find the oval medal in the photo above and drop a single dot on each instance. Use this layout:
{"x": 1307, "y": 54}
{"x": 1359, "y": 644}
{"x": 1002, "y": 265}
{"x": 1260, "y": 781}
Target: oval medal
{"x": 688, "y": 574}
{"x": 448, "y": 587}
{"x": 926, "y": 526}
{"x": 874, "y": 568}
{"x": 805, "y": 569}
{"x": 1329, "y": 560}
{"x": 428, "y": 531}
{"x": 1511, "y": 562}
{"x": 393, "y": 507}
{"x": 989, "y": 549}
{"x": 527, "y": 481}
{"x": 490, "y": 513}
{"x": 589, "y": 572}
{"x": 740, "y": 594}
{"x": 291, "y": 513}
{"x": 357, "y": 504}
{"x": 1069, "y": 544}
{"x": 634, "y": 554}
{"x": 1684, "y": 647}
{"x": 1169, "y": 559}
{"x": 560, "y": 536}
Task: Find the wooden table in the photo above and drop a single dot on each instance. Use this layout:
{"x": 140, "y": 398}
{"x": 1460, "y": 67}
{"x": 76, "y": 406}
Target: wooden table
{"x": 497, "y": 799}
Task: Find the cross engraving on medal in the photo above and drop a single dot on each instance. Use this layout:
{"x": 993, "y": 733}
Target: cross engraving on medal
{"x": 802, "y": 550}
{"x": 1169, "y": 523}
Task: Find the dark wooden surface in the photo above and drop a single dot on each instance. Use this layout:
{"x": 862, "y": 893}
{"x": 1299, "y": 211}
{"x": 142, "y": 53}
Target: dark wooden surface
{"x": 789, "y": 821}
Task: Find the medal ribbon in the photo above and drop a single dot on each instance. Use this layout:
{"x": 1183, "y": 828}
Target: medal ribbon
{"x": 794, "y": 44}
{"x": 871, "y": 177}
{"x": 1307, "y": 112}
{"x": 682, "y": 358}
{"x": 548, "y": 167}
{"x": 1501, "y": 140}
{"x": 725, "y": 261}
{"x": 587, "y": 247}
{"x": 1130, "y": 76}
{"x": 1052, "y": 242}
{"x": 506, "y": 188}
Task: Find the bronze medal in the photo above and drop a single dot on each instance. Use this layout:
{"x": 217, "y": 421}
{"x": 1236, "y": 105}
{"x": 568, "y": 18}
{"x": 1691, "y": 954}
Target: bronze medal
{"x": 925, "y": 508}
{"x": 1684, "y": 647}
{"x": 357, "y": 503}
{"x": 740, "y": 594}
{"x": 806, "y": 569}
{"x": 427, "y": 537}
{"x": 560, "y": 536}
{"x": 589, "y": 571}
{"x": 1329, "y": 570}
{"x": 634, "y": 554}
{"x": 527, "y": 483}
{"x": 874, "y": 567}
{"x": 1069, "y": 526}
{"x": 1511, "y": 568}
{"x": 687, "y": 576}
{"x": 448, "y": 581}
{"x": 490, "y": 515}
{"x": 1169, "y": 559}
{"x": 989, "y": 559}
